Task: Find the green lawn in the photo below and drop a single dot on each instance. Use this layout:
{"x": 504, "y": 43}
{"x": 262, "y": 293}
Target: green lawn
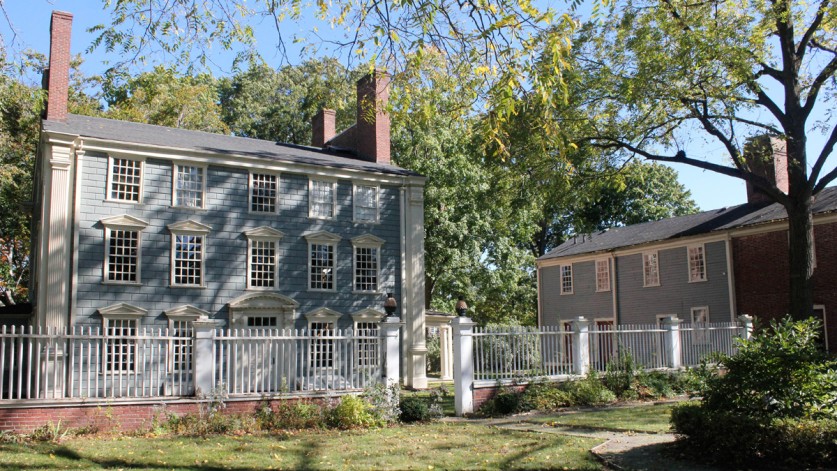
{"x": 429, "y": 446}
{"x": 650, "y": 418}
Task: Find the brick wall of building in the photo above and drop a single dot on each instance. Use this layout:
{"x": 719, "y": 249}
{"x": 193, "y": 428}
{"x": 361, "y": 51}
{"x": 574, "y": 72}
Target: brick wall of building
{"x": 762, "y": 281}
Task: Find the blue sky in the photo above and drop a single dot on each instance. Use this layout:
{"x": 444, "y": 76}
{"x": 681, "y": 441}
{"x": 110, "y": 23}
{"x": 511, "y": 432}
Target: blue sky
{"x": 31, "y": 21}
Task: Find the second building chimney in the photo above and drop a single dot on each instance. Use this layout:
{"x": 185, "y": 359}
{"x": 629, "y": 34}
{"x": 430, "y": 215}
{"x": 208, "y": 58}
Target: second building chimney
{"x": 322, "y": 127}
{"x": 767, "y": 157}
{"x": 58, "y": 74}
{"x": 372, "y": 128}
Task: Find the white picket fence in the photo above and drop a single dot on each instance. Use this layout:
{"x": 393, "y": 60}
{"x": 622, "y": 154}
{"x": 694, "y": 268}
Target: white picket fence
{"x": 524, "y": 353}
{"x": 89, "y": 363}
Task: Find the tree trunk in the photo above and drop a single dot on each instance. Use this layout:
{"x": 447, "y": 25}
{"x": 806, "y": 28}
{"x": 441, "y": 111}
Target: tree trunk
{"x": 801, "y": 241}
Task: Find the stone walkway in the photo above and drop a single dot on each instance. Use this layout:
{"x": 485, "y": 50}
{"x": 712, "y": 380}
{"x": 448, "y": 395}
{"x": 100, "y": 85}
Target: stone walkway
{"x": 632, "y": 451}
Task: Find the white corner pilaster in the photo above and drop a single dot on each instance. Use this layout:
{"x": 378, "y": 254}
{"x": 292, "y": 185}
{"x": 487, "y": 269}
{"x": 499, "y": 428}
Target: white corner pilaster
{"x": 746, "y": 321}
{"x": 203, "y": 359}
{"x": 581, "y": 345}
{"x": 671, "y": 325}
{"x": 413, "y": 308}
{"x": 56, "y": 238}
{"x": 463, "y": 365}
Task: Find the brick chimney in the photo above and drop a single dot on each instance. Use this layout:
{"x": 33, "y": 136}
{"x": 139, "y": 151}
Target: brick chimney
{"x": 322, "y": 127}
{"x": 57, "y": 76}
{"x": 766, "y": 156}
{"x": 372, "y": 128}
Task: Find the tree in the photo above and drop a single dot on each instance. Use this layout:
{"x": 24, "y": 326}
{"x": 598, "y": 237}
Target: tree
{"x": 278, "y": 105}
{"x": 728, "y": 71}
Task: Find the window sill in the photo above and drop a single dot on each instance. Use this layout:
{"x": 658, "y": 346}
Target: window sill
{"x": 260, "y": 289}
{"x": 567, "y": 294}
{"x": 132, "y": 203}
{"x": 187, "y": 286}
{"x": 191, "y": 208}
{"x": 322, "y": 218}
{"x": 367, "y": 292}
{"x": 122, "y": 283}
{"x": 651, "y": 286}
{"x": 699, "y": 281}
{"x": 371, "y": 223}
{"x": 603, "y": 291}
{"x": 314, "y": 290}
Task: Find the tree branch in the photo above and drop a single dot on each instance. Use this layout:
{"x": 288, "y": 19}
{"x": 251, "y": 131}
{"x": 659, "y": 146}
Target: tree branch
{"x": 815, "y": 25}
{"x": 826, "y": 73}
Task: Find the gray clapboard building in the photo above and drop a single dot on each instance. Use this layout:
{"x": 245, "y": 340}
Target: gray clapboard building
{"x": 146, "y": 226}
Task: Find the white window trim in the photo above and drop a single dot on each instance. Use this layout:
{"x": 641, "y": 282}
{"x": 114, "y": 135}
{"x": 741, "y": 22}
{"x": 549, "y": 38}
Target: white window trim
{"x": 561, "y": 279}
{"x": 367, "y": 241}
{"x": 689, "y": 263}
{"x": 322, "y": 238}
{"x": 128, "y": 223}
{"x": 250, "y": 193}
{"x": 265, "y": 234}
{"x": 205, "y": 171}
{"x": 661, "y": 317}
{"x": 355, "y": 219}
{"x": 606, "y": 261}
{"x": 645, "y": 283}
{"x": 260, "y": 304}
{"x": 188, "y": 227}
{"x": 333, "y": 183}
{"x": 121, "y": 311}
{"x": 141, "y": 160}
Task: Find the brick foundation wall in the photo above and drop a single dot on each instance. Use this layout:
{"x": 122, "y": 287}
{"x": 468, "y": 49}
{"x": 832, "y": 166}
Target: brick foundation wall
{"x": 484, "y": 394}
{"x": 762, "y": 281}
{"x": 115, "y": 417}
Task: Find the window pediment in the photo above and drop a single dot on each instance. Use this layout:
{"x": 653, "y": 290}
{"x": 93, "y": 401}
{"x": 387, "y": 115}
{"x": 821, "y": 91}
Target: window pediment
{"x": 367, "y": 315}
{"x": 189, "y": 227}
{"x": 367, "y": 240}
{"x": 266, "y": 301}
{"x": 123, "y": 310}
{"x": 264, "y": 232}
{"x": 323, "y": 314}
{"x": 186, "y": 312}
{"x": 124, "y": 221}
{"x": 322, "y": 236}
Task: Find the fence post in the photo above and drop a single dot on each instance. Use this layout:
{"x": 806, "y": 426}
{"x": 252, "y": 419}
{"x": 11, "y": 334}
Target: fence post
{"x": 746, "y": 326}
{"x": 463, "y": 364}
{"x": 202, "y": 358}
{"x": 671, "y": 325}
{"x": 391, "y": 336}
{"x": 581, "y": 345}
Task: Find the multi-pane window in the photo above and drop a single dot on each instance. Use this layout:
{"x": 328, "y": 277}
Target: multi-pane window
{"x": 188, "y": 260}
{"x": 262, "y": 264}
{"x": 366, "y": 268}
{"x": 125, "y": 180}
{"x": 697, "y": 263}
{"x": 566, "y": 279}
{"x": 122, "y": 264}
{"x": 321, "y": 266}
{"x": 120, "y": 345}
{"x": 182, "y": 346}
{"x": 650, "y": 269}
{"x": 262, "y": 321}
{"x": 189, "y": 186}
{"x": 367, "y": 353}
{"x": 321, "y": 196}
{"x": 264, "y": 190}
{"x": 321, "y": 354}
{"x": 602, "y": 275}
{"x": 366, "y": 203}
{"x": 700, "y": 316}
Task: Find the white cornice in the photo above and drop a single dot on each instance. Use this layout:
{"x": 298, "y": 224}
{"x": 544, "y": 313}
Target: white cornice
{"x": 189, "y": 227}
{"x": 124, "y": 221}
{"x": 264, "y": 232}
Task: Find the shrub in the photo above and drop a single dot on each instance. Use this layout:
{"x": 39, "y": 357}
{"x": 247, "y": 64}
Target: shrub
{"x": 354, "y": 412}
{"x": 384, "y": 401}
{"x": 506, "y": 401}
{"x": 414, "y": 409}
{"x": 589, "y": 391}
{"x": 544, "y": 397}
{"x": 290, "y": 415}
{"x": 620, "y": 376}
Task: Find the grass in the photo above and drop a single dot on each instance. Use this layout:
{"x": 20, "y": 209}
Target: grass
{"x": 651, "y": 418}
{"x": 437, "y": 445}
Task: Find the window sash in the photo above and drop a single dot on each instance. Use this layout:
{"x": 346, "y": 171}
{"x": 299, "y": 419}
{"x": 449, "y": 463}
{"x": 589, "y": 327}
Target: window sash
{"x": 322, "y": 199}
{"x": 189, "y": 186}
{"x": 566, "y": 279}
{"x": 366, "y": 269}
{"x": 321, "y": 353}
{"x": 366, "y": 203}
{"x": 321, "y": 266}
{"x": 187, "y": 258}
{"x": 367, "y": 353}
{"x": 266, "y": 321}
{"x": 697, "y": 263}
{"x": 262, "y": 264}
{"x": 182, "y": 347}
{"x": 120, "y": 352}
{"x": 700, "y": 317}
{"x": 264, "y": 192}
{"x": 602, "y": 275}
{"x": 125, "y": 180}
{"x": 651, "y": 269}
{"x": 122, "y": 255}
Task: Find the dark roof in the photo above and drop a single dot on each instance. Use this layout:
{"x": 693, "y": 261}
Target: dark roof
{"x": 148, "y": 134}
{"x": 749, "y": 214}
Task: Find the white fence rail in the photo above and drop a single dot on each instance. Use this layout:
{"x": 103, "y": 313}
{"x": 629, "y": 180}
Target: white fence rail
{"x": 523, "y": 353}
{"x": 268, "y": 361}
{"x": 91, "y": 363}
